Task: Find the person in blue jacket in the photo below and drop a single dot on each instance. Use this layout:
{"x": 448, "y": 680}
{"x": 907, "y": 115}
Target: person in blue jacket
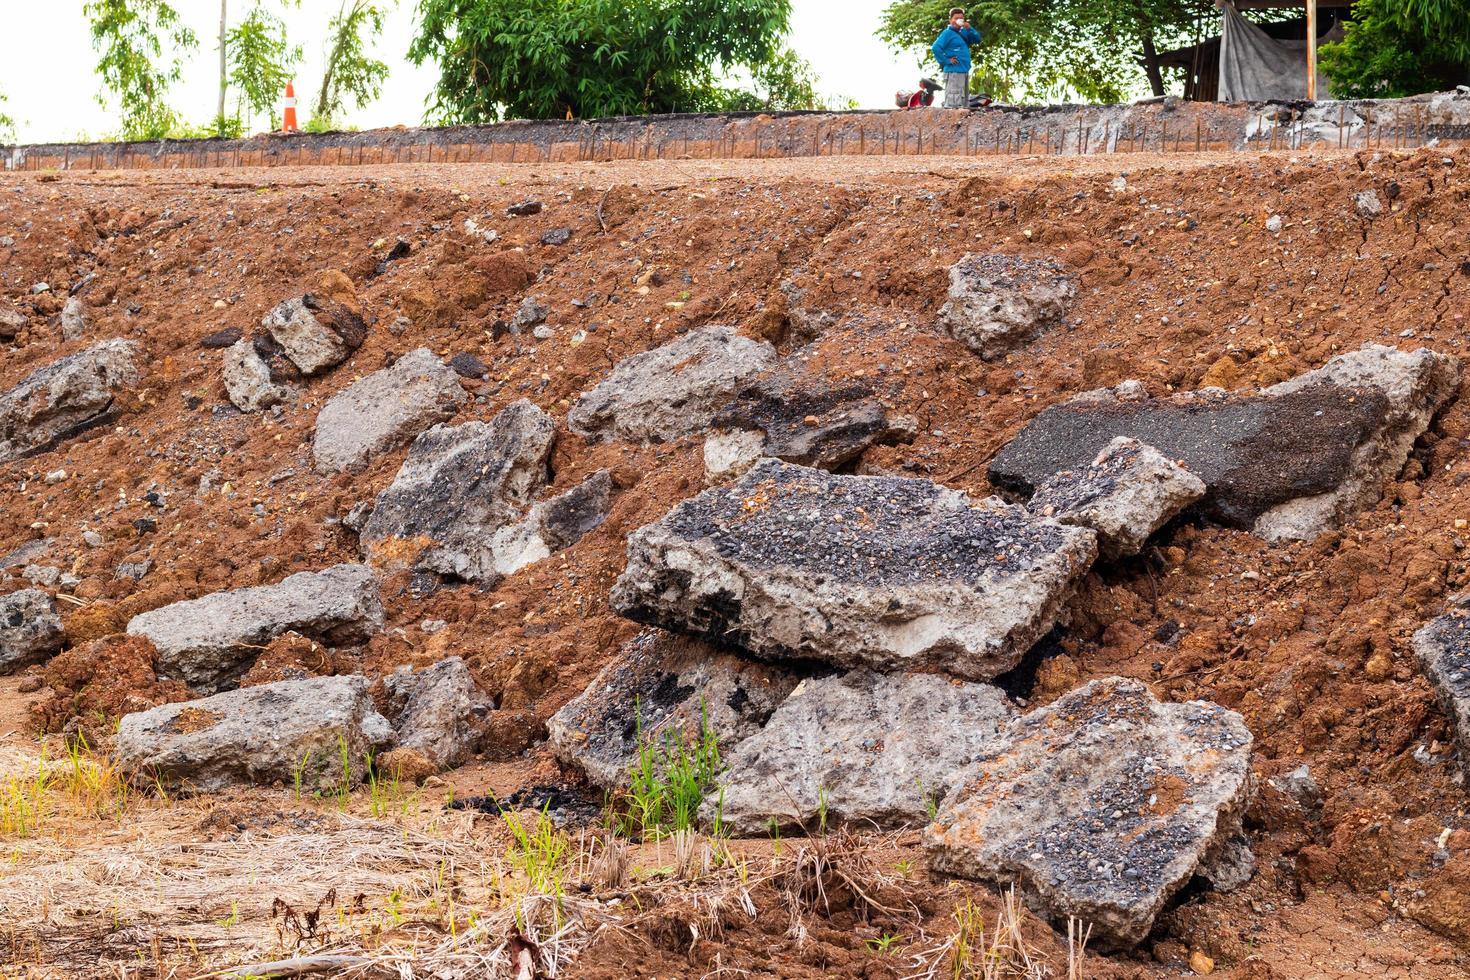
{"x": 952, "y": 48}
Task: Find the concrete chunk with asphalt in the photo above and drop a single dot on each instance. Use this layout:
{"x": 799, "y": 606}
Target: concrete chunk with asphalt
{"x": 1101, "y": 805}
{"x": 281, "y": 732}
{"x": 30, "y": 629}
{"x": 1128, "y": 492}
{"x": 385, "y": 410}
{"x": 439, "y": 712}
{"x": 248, "y": 380}
{"x": 662, "y": 686}
{"x": 1288, "y": 462}
{"x": 210, "y": 641}
{"x": 889, "y": 573}
{"x": 66, "y": 397}
{"x": 876, "y": 750}
{"x": 1442, "y": 648}
{"x": 670, "y": 391}
{"x": 315, "y": 333}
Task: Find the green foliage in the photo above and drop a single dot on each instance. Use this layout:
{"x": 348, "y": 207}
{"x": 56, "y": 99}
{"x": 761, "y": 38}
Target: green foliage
{"x": 260, "y": 64}
{"x": 1394, "y": 48}
{"x": 7, "y": 123}
{"x": 350, "y": 72}
{"x": 130, "y": 37}
{"x": 784, "y": 82}
{"x": 1048, "y": 50}
{"x": 539, "y": 851}
{"x": 669, "y": 780}
{"x": 589, "y": 58}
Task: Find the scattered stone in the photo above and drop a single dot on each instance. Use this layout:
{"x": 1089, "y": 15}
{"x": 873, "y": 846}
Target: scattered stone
{"x": 662, "y": 686}
{"x": 1273, "y": 224}
{"x": 524, "y": 209}
{"x": 39, "y": 288}
{"x": 134, "y": 570}
{"x": 385, "y": 410}
{"x": 467, "y": 365}
{"x": 30, "y": 630}
{"x": 315, "y": 333}
{"x": 92, "y": 539}
{"x": 1128, "y": 493}
{"x": 272, "y": 733}
{"x": 458, "y": 486}
{"x": 557, "y": 236}
{"x": 529, "y": 315}
{"x": 1443, "y": 650}
{"x": 73, "y": 319}
{"x": 1368, "y": 204}
{"x": 65, "y": 398}
{"x": 248, "y": 379}
{"x": 875, "y": 749}
{"x": 876, "y": 571}
{"x": 543, "y": 332}
{"x": 209, "y": 642}
{"x": 803, "y": 417}
{"x": 670, "y": 391}
{"x": 439, "y": 712}
{"x": 12, "y": 322}
{"x": 1101, "y": 805}
{"x": 999, "y": 302}
{"x": 553, "y": 525}
{"x": 221, "y": 339}
{"x": 1287, "y": 462}
{"x": 54, "y": 477}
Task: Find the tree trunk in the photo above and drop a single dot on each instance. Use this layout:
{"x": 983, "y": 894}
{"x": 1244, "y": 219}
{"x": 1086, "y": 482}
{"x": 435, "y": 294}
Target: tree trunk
{"x": 1151, "y": 64}
{"x": 223, "y": 74}
{"x": 331, "y": 68}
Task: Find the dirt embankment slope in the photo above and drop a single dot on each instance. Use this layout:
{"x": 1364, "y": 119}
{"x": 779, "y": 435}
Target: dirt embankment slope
{"x": 1183, "y": 285}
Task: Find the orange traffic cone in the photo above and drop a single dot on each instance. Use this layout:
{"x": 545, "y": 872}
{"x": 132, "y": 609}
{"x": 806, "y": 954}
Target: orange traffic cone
{"x": 288, "y": 118}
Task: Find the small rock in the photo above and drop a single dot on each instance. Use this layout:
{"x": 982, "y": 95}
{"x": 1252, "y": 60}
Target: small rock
{"x": 524, "y": 209}
{"x": 543, "y": 332}
{"x": 997, "y": 303}
{"x": 467, "y": 365}
{"x": 1273, "y": 224}
{"x": 73, "y": 319}
{"x": 221, "y": 339}
{"x": 12, "y": 321}
{"x": 248, "y": 379}
{"x": 556, "y": 236}
{"x": 1443, "y": 650}
{"x": 93, "y": 539}
{"x": 315, "y": 333}
{"x": 530, "y": 314}
{"x": 1129, "y": 492}
{"x": 439, "y": 712}
{"x": 55, "y": 477}
{"x": 1368, "y": 204}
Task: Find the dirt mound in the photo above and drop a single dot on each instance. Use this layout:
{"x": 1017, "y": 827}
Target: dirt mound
{"x": 1182, "y": 284}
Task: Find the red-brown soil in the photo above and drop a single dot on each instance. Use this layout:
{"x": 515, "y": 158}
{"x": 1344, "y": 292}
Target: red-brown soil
{"x": 1181, "y": 286}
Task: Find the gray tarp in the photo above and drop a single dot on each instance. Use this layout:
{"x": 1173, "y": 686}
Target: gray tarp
{"x": 1255, "y": 66}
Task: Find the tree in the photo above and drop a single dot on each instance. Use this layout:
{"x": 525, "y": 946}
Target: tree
{"x": 1393, "y": 48}
{"x": 260, "y": 63}
{"x": 588, "y": 58}
{"x": 7, "y": 124}
{"x": 129, "y": 36}
{"x": 1051, "y": 49}
{"x": 349, "y": 71}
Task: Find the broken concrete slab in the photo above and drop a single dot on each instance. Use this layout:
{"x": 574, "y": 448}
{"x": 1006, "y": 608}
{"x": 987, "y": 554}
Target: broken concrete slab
{"x": 267, "y": 734}
{"x": 248, "y": 380}
{"x": 1101, "y": 805}
{"x": 876, "y": 571}
{"x": 385, "y": 410}
{"x": 315, "y": 333}
{"x": 875, "y": 749}
{"x": 802, "y": 416}
{"x": 458, "y": 486}
{"x": 553, "y": 525}
{"x": 1129, "y": 492}
{"x": 997, "y": 303}
{"x": 30, "y": 629}
{"x": 670, "y": 391}
{"x": 65, "y": 397}
{"x": 1288, "y": 462}
{"x": 1442, "y": 648}
{"x": 664, "y": 686}
{"x": 209, "y": 642}
{"x": 439, "y": 712}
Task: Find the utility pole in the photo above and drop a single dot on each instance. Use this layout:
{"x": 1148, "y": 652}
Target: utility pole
{"x": 1312, "y": 50}
{"x": 219, "y": 116}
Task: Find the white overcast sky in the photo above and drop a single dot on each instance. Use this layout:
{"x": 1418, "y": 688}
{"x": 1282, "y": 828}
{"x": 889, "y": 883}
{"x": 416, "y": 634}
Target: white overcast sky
{"x": 47, "y": 63}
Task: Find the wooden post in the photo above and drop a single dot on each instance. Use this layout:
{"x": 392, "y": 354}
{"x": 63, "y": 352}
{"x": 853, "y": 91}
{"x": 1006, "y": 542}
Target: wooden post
{"x": 1311, "y": 50}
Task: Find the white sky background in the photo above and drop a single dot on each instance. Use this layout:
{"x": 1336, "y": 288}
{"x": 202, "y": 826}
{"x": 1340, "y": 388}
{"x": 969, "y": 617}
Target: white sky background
{"x": 47, "y": 63}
